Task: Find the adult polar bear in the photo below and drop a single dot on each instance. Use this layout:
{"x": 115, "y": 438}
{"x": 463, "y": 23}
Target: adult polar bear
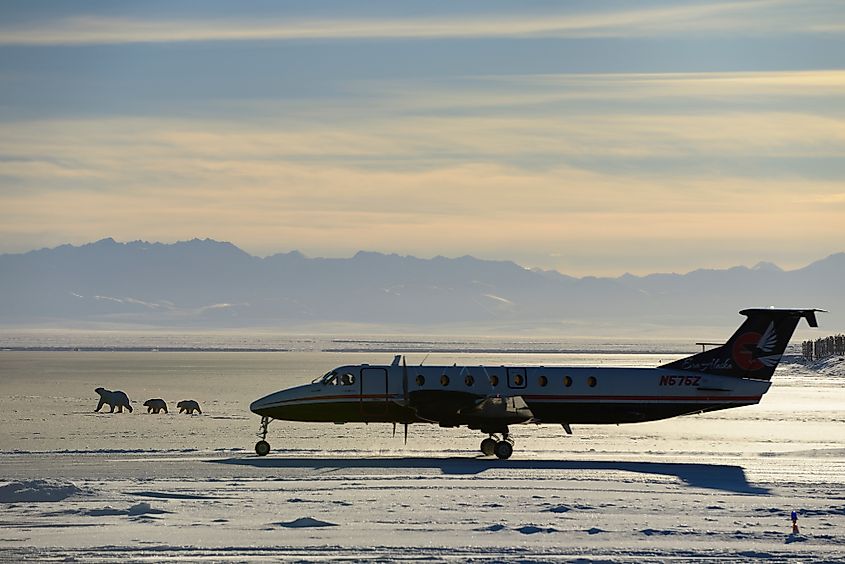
{"x": 114, "y": 399}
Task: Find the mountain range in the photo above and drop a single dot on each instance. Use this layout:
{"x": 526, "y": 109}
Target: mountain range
{"x": 212, "y": 284}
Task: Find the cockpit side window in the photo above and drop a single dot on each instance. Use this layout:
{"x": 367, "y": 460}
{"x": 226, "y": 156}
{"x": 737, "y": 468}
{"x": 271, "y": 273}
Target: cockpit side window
{"x": 347, "y": 379}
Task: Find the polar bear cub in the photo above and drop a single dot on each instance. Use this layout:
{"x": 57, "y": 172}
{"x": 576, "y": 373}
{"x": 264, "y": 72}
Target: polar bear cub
{"x": 155, "y": 405}
{"x": 114, "y": 399}
{"x": 188, "y": 406}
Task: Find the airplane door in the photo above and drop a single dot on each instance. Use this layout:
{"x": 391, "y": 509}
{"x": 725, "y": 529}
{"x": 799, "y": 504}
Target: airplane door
{"x": 517, "y": 378}
{"x": 374, "y": 404}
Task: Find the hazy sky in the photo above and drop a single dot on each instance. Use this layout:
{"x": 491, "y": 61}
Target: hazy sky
{"x": 590, "y": 137}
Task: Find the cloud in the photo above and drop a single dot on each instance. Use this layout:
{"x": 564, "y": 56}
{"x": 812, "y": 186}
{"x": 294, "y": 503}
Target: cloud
{"x": 750, "y": 16}
{"x": 128, "y": 151}
{"x": 428, "y": 164}
{"x": 697, "y": 86}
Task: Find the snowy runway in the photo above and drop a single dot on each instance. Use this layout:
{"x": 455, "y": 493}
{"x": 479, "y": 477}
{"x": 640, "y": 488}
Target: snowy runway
{"x": 130, "y": 506}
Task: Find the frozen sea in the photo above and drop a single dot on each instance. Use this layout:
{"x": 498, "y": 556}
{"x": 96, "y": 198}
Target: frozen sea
{"x": 100, "y": 487}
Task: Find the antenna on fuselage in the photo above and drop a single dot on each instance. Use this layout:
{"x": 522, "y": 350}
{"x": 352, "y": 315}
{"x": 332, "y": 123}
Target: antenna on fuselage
{"x": 424, "y": 358}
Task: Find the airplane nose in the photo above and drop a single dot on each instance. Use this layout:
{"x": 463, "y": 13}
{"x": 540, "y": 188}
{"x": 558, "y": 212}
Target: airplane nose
{"x": 262, "y": 405}
{"x": 277, "y": 404}
{"x": 282, "y": 404}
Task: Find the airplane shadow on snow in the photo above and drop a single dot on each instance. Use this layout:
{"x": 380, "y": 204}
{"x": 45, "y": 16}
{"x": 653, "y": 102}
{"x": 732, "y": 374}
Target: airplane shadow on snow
{"x": 712, "y": 476}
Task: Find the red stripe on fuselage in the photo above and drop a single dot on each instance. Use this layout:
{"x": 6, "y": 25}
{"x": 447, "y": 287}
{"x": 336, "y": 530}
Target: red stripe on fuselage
{"x": 341, "y": 396}
{"x": 642, "y": 398}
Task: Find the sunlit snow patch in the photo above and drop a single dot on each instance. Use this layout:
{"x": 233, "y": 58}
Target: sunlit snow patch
{"x": 137, "y": 510}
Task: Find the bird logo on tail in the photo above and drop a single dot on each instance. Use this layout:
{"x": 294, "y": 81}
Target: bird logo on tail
{"x": 753, "y": 351}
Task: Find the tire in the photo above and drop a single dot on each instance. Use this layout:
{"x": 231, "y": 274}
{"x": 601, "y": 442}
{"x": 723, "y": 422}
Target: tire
{"x": 503, "y": 450}
{"x": 262, "y": 448}
{"x": 488, "y": 446}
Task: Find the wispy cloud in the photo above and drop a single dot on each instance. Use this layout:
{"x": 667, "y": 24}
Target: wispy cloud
{"x": 751, "y": 16}
{"x": 120, "y": 152}
{"x": 698, "y": 85}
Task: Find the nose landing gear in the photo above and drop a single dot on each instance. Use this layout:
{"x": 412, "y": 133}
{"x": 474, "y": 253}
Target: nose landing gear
{"x": 262, "y": 447}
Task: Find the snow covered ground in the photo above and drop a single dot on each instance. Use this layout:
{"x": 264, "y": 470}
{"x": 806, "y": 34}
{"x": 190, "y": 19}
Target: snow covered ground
{"x": 142, "y": 487}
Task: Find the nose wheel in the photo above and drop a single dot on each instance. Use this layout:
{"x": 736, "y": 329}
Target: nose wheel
{"x": 503, "y": 449}
{"x": 262, "y": 447}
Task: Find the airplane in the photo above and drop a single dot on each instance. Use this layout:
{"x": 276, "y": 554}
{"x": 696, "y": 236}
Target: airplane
{"x": 491, "y": 399}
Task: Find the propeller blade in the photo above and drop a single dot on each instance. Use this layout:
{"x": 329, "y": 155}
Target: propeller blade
{"x": 405, "y": 392}
{"x": 404, "y": 382}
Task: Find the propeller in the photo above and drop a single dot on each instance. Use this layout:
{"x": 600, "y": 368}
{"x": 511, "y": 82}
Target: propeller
{"x": 404, "y": 395}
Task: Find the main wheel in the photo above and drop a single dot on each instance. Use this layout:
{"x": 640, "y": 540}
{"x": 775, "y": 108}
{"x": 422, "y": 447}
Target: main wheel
{"x": 503, "y": 450}
{"x": 488, "y": 446}
{"x": 262, "y": 448}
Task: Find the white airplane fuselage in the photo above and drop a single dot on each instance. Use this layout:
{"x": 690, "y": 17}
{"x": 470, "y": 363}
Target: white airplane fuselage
{"x": 552, "y": 394}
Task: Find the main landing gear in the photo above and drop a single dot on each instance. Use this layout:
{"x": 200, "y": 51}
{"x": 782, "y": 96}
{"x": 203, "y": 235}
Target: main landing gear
{"x": 262, "y": 447}
{"x": 503, "y": 448}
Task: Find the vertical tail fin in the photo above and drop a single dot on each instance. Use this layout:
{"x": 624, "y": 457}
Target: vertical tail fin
{"x": 755, "y": 348}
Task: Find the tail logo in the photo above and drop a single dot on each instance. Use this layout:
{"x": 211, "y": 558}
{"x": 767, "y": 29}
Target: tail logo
{"x": 753, "y": 351}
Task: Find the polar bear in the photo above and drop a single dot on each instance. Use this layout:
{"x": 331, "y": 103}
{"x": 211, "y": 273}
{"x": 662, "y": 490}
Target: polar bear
{"x": 188, "y": 406}
{"x": 155, "y": 405}
{"x": 113, "y": 399}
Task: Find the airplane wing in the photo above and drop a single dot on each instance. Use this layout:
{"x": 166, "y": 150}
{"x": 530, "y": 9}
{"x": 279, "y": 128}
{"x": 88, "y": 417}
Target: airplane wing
{"x": 441, "y": 405}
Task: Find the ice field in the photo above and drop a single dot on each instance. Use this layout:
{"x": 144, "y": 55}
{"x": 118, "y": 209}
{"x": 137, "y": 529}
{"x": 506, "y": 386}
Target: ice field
{"x": 100, "y": 487}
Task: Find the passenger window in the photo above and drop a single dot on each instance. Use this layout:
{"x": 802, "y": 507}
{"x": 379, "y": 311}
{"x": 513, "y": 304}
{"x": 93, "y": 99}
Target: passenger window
{"x": 543, "y": 381}
{"x": 591, "y": 381}
{"x": 469, "y": 380}
{"x": 420, "y": 380}
{"x": 567, "y": 381}
{"x": 494, "y": 380}
{"x": 444, "y": 380}
{"x": 347, "y": 379}
{"x": 517, "y": 380}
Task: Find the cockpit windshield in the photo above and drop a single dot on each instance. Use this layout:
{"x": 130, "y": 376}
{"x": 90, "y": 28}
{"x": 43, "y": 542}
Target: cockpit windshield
{"x": 334, "y": 379}
{"x": 326, "y": 379}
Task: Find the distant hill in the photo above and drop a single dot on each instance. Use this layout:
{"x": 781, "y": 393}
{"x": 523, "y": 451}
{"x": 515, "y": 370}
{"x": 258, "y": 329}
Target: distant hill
{"x": 212, "y": 284}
